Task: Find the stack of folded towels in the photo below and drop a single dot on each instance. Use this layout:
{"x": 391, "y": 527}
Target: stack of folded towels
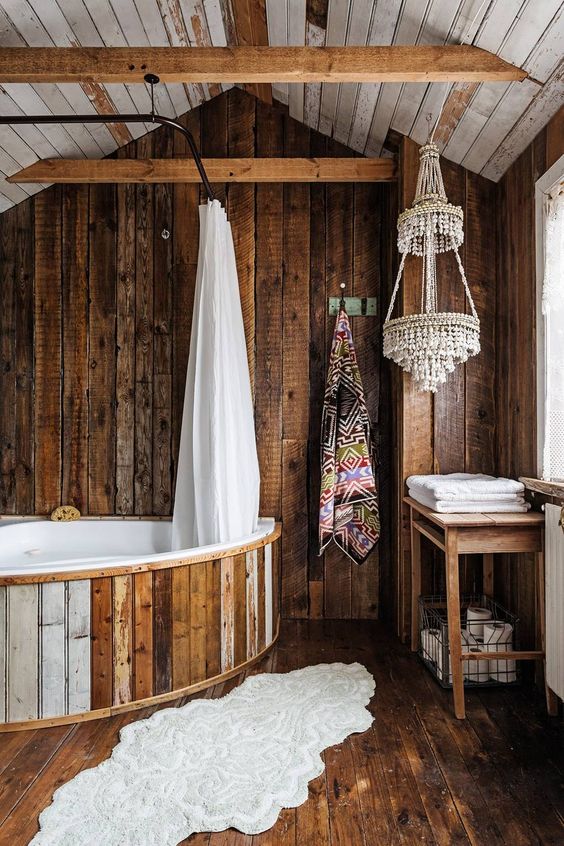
{"x": 459, "y": 493}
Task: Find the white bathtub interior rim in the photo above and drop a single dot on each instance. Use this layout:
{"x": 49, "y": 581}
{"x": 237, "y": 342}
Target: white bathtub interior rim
{"x": 42, "y": 546}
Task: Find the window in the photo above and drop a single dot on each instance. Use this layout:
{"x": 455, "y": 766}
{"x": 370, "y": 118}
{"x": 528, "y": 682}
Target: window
{"x": 549, "y": 198}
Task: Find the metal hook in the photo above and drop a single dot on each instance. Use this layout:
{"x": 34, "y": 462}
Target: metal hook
{"x": 342, "y": 303}
{"x": 152, "y": 79}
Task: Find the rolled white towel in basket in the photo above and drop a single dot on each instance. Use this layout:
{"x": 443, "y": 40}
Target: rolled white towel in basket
{"x": 498, "y": 637}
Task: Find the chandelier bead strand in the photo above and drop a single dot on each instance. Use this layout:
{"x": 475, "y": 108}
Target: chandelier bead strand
{"x": 431, "y": 344}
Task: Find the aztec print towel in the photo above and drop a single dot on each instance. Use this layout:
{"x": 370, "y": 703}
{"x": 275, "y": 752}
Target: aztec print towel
{"x": 349, "y": 502}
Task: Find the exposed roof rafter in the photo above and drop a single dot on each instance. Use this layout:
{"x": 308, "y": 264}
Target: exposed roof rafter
{"x": 454, "y": 63}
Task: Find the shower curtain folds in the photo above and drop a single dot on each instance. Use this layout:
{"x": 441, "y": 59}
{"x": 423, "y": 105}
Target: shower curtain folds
{"x": 217, "y": 486}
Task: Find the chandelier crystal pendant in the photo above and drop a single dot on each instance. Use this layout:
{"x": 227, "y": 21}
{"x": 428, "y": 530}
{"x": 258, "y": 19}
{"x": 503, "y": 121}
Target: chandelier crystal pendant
{"x": 430, "y": 344}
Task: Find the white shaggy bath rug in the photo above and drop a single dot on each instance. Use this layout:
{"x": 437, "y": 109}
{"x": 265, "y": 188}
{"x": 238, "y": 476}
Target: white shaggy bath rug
{"x": 214, "y": 763}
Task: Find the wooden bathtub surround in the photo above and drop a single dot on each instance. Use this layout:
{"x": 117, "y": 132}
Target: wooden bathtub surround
{"x": 85, "y": 646}
{"x": 486, "y": 534}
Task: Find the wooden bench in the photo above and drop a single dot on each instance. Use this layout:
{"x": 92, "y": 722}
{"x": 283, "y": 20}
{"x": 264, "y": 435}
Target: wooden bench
{"x": 487, "y": 534}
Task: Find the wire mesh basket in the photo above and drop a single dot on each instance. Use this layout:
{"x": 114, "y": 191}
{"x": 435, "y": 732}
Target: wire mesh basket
{"x": 486, "y": 626}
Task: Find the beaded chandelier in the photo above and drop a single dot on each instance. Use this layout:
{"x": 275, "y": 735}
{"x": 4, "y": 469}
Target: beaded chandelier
{"x": 430, "y": 344}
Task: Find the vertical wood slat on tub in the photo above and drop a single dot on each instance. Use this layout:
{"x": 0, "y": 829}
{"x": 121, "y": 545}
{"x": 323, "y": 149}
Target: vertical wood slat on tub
{"x": 143, "y": 635}
{"x": 252, "y": 599}
{"x": 180, "y": 627}
{"x": 23, "y": 652}
{"x": 261, "y": 599}
{"x": 122, "y": 621}
{"x": 227, "y": 614}
{"x": 78, "y": 646}
{"x": 3, "y": 651}
{"x": 213, "y": 618}
{"x": 102, "y": 652}
{"x": 52, "y": 645}
{"x": 162, "y": 631}
{"x": 268, "y": 594}
{"x": 276, "y": 554}
{"x": 239, "y": 609}
{"x": 197, "y": 622}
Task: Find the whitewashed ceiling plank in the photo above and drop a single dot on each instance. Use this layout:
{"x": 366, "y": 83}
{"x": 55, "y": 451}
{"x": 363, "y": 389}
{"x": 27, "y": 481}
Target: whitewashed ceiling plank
{"x": 196, "y": 29}
{"x": 315, "y": 37}
{"x": 511, "y": 99}
{"x": 441, "y": 26}
{"x": 491, "y": 35}
{"x": 547, "y": 102}
{"x": 44, "y": 25}
{"x": 296, "y": 38}
{"x": 336, "y": 36}
{"x": 5, "y": 202}
{"x": 15, "y": 146}
{"x": 360, "y": 20}
{"x": 277, "y": 24}
{"x": 465, "y": 27}
{"x": 382, "y": 29}
{"x": 407, "y": 32}
{"x": 35, "y": 139}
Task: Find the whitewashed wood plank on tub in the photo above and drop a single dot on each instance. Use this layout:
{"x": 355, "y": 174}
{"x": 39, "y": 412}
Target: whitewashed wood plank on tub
{"x": 252, "y": 598}
{"x": 268, "y": 593}
{"x": 52, "y": 645}
{"x": 3, "y": 655}
{"x": 78, "y": 646}
{"x": 23, "y": 653}
{"x": 227, "y": 615}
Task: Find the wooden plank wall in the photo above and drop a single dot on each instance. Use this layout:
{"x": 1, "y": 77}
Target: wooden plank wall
{"x": 516, "y": 393}
{"x": 454, "y": 430}
{"x": 95, "y": 329}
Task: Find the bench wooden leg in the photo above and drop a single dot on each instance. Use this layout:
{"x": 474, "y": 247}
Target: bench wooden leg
{"x": 415, "y": 583}
{"x": 551, "y": 697}
{"x": 488, "y": 574}
{"x": 454, "y": 624}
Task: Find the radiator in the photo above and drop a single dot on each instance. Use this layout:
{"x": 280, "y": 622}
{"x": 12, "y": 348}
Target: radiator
{"x": 554, "y": 563}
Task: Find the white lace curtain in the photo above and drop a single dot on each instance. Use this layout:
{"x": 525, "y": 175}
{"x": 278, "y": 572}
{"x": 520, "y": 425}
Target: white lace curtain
{"x": 553, "y": 310}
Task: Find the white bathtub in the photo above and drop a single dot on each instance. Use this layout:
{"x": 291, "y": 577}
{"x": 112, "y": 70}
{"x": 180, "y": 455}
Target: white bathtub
{"x": 30, "y": 546}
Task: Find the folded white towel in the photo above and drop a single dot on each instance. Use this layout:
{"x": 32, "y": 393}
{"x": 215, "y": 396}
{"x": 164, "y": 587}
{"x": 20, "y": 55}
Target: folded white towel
{"x": 465, "y": 486}
{"x": 469, "y": 507}
{"x": 479, "y": 498}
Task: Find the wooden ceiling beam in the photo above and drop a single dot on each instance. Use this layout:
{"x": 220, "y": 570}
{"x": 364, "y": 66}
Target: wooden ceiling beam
{"x": 248, "y": 64}
{"x": 218, "y": 170}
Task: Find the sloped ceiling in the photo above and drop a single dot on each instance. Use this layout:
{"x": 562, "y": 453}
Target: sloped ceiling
{"x": 483, "y": 126}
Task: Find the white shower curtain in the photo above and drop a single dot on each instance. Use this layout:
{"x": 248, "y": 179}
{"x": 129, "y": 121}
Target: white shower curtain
{"x": 217, "y": 484}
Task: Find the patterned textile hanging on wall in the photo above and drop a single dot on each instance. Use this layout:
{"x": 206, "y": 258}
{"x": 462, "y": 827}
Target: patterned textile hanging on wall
{"x": 430, "y": 344}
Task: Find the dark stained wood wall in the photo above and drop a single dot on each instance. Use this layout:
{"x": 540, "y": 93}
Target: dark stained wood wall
{"x": 516, "y": 406}
{"x": 95, "y": 328}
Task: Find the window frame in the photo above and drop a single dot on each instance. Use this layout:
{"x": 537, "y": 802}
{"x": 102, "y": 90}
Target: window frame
{"x": 543, "y": 186}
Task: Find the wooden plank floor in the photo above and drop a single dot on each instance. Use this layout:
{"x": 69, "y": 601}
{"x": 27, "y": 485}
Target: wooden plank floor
{"x": 417, "y": 776}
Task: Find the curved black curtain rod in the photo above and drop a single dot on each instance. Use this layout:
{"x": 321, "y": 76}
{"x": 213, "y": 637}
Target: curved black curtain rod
{"x": 135, "y": 118}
